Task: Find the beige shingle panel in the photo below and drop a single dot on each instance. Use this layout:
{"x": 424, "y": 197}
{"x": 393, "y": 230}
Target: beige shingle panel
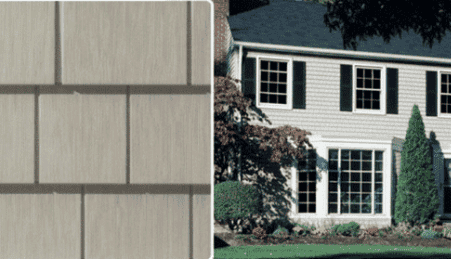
{"x": 27, "y": 43}
{"x": 82, "y": 138}
{"x": 39, "y": 226}
{"x": 170, "y": 138}
{"x": 201, "y": 42}
{"x": 17, "y": 136}
{"x": 202, "y": 226}
{"x": 137, "y": 226}
{"x": 124, "y": 42}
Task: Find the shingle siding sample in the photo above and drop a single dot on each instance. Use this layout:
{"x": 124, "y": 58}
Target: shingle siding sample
{"x": 28, "y": 42}
{"x": 125, "y": 42}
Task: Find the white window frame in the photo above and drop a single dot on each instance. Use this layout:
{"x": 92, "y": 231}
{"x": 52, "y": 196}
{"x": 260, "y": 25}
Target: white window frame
{"x": 373, "y": 183}
{"x": 383, "y": 95}
{"x": 439, "y": 93}
{"x": 289, "y": 104}
{"x": 297, "y": 171}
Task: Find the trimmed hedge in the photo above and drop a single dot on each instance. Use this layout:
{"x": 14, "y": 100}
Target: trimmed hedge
{"x": 234, "y": 200}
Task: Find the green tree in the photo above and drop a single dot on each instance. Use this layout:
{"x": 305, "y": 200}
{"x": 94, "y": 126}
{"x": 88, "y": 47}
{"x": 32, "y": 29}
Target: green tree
{"x": 387, "y": 19}
{"x": 417, "y": 195}
{"x": 247, "y": 148}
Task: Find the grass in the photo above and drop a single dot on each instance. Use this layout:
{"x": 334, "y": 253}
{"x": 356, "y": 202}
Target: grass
{"x": 314, "y": 250}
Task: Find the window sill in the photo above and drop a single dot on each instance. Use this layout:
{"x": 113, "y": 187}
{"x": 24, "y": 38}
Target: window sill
{"x": 274, "y": 107}
{"x": 368, "y": 113}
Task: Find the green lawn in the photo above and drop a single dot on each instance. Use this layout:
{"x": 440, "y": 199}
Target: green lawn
{"x": 312, "y": 251}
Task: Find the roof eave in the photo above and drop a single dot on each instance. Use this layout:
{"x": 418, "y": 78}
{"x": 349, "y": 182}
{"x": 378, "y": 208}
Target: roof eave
{"x": 350, "y": 54}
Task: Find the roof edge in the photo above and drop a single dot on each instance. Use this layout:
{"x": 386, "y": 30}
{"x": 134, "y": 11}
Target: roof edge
{"x": 343, "y": 53}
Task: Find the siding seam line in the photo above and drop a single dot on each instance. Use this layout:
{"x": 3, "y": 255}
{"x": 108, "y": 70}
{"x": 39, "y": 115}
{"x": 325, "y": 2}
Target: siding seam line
{"x": 58, "y": 63}
{"x": 127, "y": 136}
{"x": 82, "y": 222}
{"x": 36, "y": 135}
{"x": 191, "y": 234}
{"x": 188, "y": 44}
{"x": 188, "y": 82}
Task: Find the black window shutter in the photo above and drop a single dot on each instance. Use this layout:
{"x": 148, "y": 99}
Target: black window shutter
{"x": 346, "y": 88}
{"x": 392, "y": 90}
{"x": 248, "y": 78}
{"x": 298, "y": 85}
{"x": 431, "y": 93}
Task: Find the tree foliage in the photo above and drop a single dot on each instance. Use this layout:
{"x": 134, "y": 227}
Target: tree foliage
{"x": 243, "y": 133}
{"x": 233, "y": 114}
{"x": 359, "y": 19}
{"x": 234, "y": 200}
{"x": 417, "y": 195}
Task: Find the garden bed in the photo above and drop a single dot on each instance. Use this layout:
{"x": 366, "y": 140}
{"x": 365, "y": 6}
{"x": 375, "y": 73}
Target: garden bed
{"x": 232, "y": 240}
{"x": 389, "y": 238}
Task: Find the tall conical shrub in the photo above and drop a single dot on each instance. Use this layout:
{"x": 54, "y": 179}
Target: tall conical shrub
{"x": 417, "y": 194}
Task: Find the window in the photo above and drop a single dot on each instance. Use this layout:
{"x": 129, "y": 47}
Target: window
{"x": 273, "y": 88}
{"x": 307, "y": 183}
{"x": 368, "y": 91}
{"x": 445, "y": 93}
{"x": 355, "y": 177}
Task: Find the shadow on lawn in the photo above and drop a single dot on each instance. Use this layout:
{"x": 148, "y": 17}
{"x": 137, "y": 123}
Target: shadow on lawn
{"x": 383, "y": 255}
{"x": 219, "y": 243}
{"x": 387, "y": 255}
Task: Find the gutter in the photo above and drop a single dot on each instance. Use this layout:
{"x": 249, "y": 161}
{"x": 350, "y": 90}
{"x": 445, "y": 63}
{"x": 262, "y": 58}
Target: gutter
{"x": 349, "y": 54}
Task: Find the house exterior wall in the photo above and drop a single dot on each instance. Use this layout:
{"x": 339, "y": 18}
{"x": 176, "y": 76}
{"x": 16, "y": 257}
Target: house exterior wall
{"x": 322, "y": 115}
{"x": 105, "y": 113}
{"x": 323, "y": 118}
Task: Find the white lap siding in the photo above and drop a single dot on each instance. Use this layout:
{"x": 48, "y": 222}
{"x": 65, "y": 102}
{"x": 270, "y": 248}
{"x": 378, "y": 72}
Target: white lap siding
{"x": 322, "y": 115}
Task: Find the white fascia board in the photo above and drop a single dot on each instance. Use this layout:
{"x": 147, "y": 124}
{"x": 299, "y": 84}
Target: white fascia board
{"x": 360, "y": 54}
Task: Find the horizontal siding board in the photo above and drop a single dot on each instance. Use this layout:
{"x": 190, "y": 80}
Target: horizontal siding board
{"x": 136, "y": 226}
{"x": 27, "y": 48}
{"x": 118, "y": 43}
{"x": 82, "y": 138}
{"x": 40, "y": 226}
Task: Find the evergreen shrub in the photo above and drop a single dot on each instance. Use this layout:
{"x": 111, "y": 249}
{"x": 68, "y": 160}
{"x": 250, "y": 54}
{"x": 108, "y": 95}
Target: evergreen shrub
{"x": 417, "y": 195}
{"x": 234, "y": 200}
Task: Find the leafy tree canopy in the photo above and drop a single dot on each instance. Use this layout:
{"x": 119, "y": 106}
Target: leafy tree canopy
{"x": 360, "y": 19}
{"x": 232, "y": 129}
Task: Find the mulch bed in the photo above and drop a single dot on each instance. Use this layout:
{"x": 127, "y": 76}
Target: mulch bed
{"x": 390, "y": 239}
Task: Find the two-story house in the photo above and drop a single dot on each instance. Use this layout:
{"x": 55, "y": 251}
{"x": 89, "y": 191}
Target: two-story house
{"x": 356, "y": 104}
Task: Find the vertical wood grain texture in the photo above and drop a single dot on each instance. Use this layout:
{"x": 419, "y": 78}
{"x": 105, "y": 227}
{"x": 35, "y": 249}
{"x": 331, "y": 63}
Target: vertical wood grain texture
{"x": 201, "y": 42}
{"x": 170, "y": 138}
{"x": 28, "y": 42}
{"x": 202, "y": 226}
{"x": 136, "y": 226}
{"x": 39, "y": 226}
{"x": 124, "y": 42}
{"x": 82, "y": 138}
{"x": 17, "y": 138}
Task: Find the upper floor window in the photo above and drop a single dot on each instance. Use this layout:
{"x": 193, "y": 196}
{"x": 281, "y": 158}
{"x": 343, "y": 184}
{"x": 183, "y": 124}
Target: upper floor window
{"x": 445, "y": 93}
{"x": 273, "y": 88}
{"x": 368, "y": 91}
